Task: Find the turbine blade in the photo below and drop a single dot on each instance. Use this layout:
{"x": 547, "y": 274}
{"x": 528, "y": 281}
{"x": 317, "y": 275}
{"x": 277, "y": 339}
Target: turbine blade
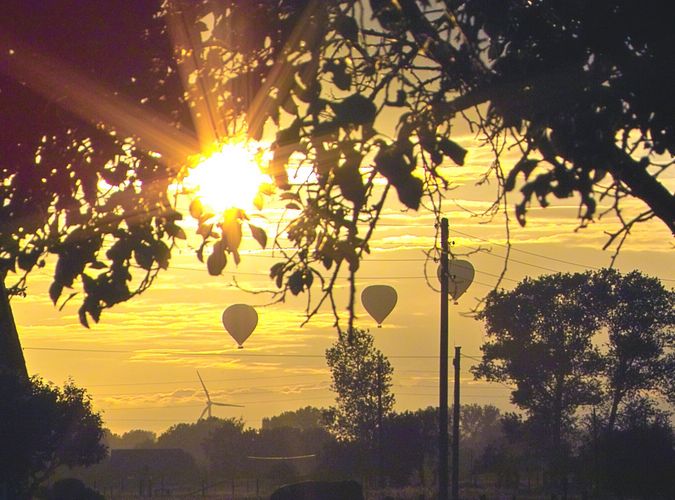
{"x": 208, "y": 398}
{"x": 226, "y": 404}
{"x": 203, "y": 413}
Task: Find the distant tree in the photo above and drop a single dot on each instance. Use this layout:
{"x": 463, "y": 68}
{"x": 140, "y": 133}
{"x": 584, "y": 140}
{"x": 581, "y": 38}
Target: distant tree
{"x": 286, "y": 445}
{"x": 227, "y": 447}
{"x": 361, "y": 377}
{"x": 479, "y": 425}
{"x": 135, "y": 438}
{"x": 305, "y": 418}
{"x": 44, "y": 427}
{"x": 192, "y": 437}
{"x": 410, "y": 444}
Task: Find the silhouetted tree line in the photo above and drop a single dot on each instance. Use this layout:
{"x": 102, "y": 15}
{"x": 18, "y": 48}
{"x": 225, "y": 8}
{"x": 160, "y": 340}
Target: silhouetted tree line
{"x": 226, "y": 449}
{"x": 498, "y": 452}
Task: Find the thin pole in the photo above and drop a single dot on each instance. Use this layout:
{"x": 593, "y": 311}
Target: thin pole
{"x": 443, "y": 371}
{"x": 380, "y": 467}
{"x": 455, "y": 431}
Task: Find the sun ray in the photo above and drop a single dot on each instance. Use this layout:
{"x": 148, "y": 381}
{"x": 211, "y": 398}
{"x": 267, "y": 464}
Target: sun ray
{"x": 281, "y": 75}
{"x": 93, "y": 102}
{"x": 195, "y": 77}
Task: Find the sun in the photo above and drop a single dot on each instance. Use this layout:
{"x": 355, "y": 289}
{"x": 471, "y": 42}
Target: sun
{"x": 231, "y": 176}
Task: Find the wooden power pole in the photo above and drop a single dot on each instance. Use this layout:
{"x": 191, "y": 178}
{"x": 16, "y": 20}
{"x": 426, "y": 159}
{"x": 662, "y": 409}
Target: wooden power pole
{"x": 443, "y": 371}
{"x": 455, "y": 430}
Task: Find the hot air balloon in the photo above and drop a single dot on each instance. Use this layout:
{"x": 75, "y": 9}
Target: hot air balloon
{"x": 240, "y": 320}
{"x": 460, "y": 276}
{"x": 379, "y": 301}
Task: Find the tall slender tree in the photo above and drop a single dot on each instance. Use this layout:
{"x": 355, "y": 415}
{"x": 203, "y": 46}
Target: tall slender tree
{"x": 362, "y": 382}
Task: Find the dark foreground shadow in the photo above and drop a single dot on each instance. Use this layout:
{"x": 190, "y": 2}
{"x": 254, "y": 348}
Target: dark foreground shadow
{"x": 320, "y": 490}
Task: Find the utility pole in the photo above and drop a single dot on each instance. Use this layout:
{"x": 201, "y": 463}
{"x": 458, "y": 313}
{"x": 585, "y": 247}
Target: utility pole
{"x": 455, "y": 431}
{"x": 443, "y": 370}
{"x": 379, "y": 422}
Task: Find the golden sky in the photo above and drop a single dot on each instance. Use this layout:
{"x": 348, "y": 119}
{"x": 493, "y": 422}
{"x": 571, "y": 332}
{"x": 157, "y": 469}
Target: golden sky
{"x": 140, "y": 362}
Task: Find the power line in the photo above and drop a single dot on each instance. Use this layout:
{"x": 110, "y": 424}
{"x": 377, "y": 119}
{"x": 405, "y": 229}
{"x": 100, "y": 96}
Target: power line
{"x": 212, "y": 353}
{"x": 207, "y": 380}
{"x": 534, "y": 254}
{"x": 168, "y": 382}
{"x": 491, "y": 242}
{"x": 213, "y": 389}
{"x": 283, "y": 400}
{"x": 264, "y": 389}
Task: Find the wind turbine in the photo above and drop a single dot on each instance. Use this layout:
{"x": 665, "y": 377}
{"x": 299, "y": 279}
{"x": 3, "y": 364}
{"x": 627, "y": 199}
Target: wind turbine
{"x": 210, "y": 403}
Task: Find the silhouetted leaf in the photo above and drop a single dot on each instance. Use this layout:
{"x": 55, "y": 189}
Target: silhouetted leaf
{"x": 162, "y": 254}
{"x": 277, "y": 273}
{"x": 288, "y": 195}
{"x": 341, "y": 77}
{"x": 410, "y": 192}
{"x": 259, "y": 235}
{"x": 27, "y": 260}
{"x": 144, "y": 257}
{"x": 82, "y": 313}
{"x": 354, "y": 110}
{"x": 55, "y": 290}
{"x": 289, "y": 106}
{"x": 349, "y": 179}
{"x": 393, "y": 164}
{"x": 450, "y": 148}
{"x": 200, "y": 251}
{"x": 217, "y": 261}
{"x": 524, "y": 165}
{"x": 295, "y": 282}
{"x": 175, "y": 231}
{"x": 347, "y": 27}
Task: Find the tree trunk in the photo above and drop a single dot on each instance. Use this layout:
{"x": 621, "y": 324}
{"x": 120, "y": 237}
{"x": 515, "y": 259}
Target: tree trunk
{"x": 618, "y": 383}
{"x": 556, "y": 457}
{"x": 611, "y": 421}
{"x": 11, "y": 354}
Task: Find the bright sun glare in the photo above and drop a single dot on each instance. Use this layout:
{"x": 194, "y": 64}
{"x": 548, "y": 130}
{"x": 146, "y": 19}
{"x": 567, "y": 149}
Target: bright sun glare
{"x": 231, "y": 176}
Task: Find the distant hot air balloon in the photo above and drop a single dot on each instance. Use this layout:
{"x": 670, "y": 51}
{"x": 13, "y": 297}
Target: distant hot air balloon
{"x": 240, "y": 320}
{"x": 460, "y": 276}
{"x": 379, "y": 301}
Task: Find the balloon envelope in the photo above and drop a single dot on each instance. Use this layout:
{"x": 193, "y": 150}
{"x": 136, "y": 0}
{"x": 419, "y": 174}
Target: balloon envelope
{"x": 460, "y": 276}
{"x": 379, "y": 301}
{"x": 240, "y": 320}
